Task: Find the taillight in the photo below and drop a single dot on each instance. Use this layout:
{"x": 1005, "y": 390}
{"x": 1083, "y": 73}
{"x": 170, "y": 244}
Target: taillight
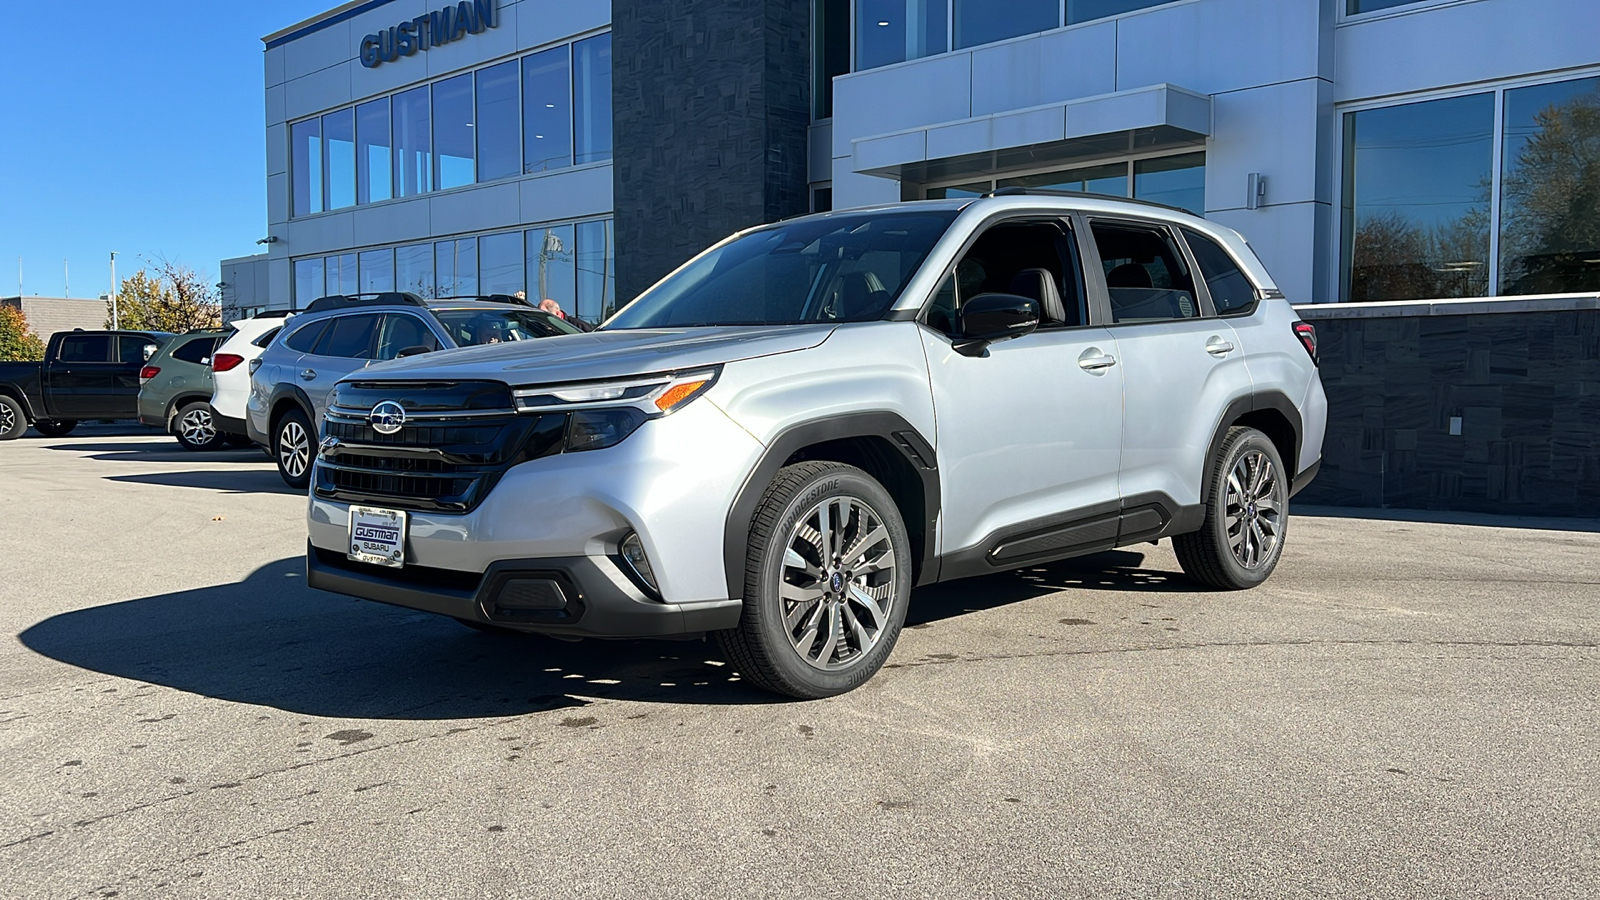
{"x": 1307, "y": 333}
{"x": 224, "y": 362}
{"x": 147, "y": 373}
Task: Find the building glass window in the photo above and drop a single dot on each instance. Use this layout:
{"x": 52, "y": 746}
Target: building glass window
{"x": 452, "y": 132}
{"x": 1174, "y": 180}
{"x": 831, "y": 49}
{"x": 308, "y": 281}
{"x": 551, "y": 273}
{"x": 339, "y": 157}
{"x": 499, "y": 143}
{"x": 546, "y": 111}
{"x": 455, "y": 265}
{"x": 1087, "y": 10}
{"x": 1360, "y": 6}
{"x": 341, "y": 274}
{"x": 413, "y": 156}
{"x": 822, "y": 199}
{"x": 597, "y": 271}
{"x": 1550, "y": 189}
{"x": 413, "y": 269}
{"x": 374, "y": 172}
{"x": 377, "y": 270}
{"x": 1416, "y": 199}
{"x": 956, "y": 191}
{"x": 591, "y": 100}
{"x": 305, "y": 166}
{"x": 1110, "y": 179}
{"x": 500, "y": 263}
{"x": 891, "y": 31}
{"x": 983, "y": 21}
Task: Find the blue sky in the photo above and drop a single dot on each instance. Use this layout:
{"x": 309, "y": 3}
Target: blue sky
{"x": 135, "y": 127}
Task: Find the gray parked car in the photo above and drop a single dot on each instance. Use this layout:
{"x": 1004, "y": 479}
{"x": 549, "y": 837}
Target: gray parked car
{"x": 338, "y": 335}
{"x": 175, "y": 390}
{"x": 777, "y": 441}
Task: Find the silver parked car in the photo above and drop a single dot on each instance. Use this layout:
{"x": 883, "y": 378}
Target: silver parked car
{"x": 779, "y": 440}
{"x": 338, "y": 335}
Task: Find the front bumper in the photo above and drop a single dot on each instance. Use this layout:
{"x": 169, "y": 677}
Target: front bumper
{"x": 583, "y": 596}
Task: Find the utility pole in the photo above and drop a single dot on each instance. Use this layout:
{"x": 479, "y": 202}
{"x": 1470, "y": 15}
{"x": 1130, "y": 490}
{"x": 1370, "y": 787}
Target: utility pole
{"x": 114, "y": 321}
{"x": 66, "y": 279}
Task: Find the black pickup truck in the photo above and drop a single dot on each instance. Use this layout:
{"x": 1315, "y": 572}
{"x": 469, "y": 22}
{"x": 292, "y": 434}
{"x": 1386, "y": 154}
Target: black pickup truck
{"x": 84, "y": 375}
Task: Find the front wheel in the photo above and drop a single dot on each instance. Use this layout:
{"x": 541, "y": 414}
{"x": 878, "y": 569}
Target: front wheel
{"x": 196, "y": 428}
{"x": 55, "y": 427}
{"x": 827, "y": 582}
{"x": 291, "y": 448}
{"x": 1247, "y": 515}
{"x": 13, "y": 421}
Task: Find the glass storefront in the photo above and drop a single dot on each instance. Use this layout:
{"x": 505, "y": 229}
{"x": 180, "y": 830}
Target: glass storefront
{"x": 1175, "y": 180}
{"x": 1550, "y": 189}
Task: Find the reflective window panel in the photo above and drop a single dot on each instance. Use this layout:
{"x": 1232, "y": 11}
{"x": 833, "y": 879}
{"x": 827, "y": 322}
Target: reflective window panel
{"x": 377, "y": 270}
{"x": 374, "y": 172}
{"x": 308, "y": 281}
{"x": 831, "y": 24}
{"x": 497, "y": 125}
{"x": 891, "y": 31}
{"x": 341, "y": 274}
{"x": 413, "y": 269}
{"x": 413, "y": 157}
{"x": 339, "y": 157}
{"x": 954, "y": 191}
{"x": 305, "y": 166}
{"x": 500, "y": 263}
{"x": 452, "y": 132}
{"x": 455, "y": 265}
{"x": 1416, "y": 199}
{"x": 551, "y": 274}
{"x": 1086, "y": 10}
{"x": 597, "y": 271}
{"x": 1360, "y": 6}
{"x": 546, "y": 111}
{"x": 591, "y": 99}
{"x": 1111, "y": 180}
{"x": 1550, "y": 189}
{"x": 1174, "y": 180}
{"x": 984, "y": 21}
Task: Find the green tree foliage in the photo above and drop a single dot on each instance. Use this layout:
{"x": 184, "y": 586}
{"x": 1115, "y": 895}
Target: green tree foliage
{"x": 168, "y": 297}
{"x": 18, "y": 343}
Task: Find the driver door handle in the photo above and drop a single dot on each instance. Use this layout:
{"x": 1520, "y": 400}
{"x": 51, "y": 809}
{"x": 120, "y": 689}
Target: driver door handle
{"x": 1095, "y": 360}
{"x": 308, "y": 374}
{"x": 1216, "y": 346}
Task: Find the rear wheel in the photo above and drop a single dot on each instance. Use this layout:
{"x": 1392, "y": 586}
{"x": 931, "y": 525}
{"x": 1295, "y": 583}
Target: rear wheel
{"x": 1247, "y": 515}
{"x": 196, "y": 428}
{"x": 827, "y": 582}
{"x": 13, "y": 422}
{"x": 291, "y": 448}
{"x": 55, "y": 427}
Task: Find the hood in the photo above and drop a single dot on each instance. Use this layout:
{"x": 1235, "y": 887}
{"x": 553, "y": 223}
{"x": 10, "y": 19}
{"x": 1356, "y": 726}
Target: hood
{"x": 601, "y": 354}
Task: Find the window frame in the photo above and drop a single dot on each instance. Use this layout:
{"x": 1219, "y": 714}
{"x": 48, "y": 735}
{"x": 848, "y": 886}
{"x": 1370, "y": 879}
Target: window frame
{"x": 1203, "y": 284}
{"x": 1202, "y": 296}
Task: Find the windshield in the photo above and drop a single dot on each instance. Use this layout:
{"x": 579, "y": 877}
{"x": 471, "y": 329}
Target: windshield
{"x": 841, "y": 268}
{"x": 497, "y": 326}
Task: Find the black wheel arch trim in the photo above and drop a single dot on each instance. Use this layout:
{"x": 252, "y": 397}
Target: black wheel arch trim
{"x": 179, "y": 402}
{"x": 1257, "y": 401}
{"x": 891, "y": 427}
{"x": 291, "y": 392}
{"x": 20, "y": 396}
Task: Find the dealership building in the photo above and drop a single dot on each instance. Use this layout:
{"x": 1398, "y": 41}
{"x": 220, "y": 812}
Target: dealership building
{"x": 580, "y": 149}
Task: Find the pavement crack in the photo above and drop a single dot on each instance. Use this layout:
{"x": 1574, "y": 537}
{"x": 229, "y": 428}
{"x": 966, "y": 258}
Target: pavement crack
{"x": 31, "y": 837}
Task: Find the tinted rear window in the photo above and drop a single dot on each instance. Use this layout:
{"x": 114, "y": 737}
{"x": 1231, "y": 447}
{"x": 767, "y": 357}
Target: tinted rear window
{"x": 306, "y": 338}
{"x": 196, "y": 351}
{"x": 349, "y": 337}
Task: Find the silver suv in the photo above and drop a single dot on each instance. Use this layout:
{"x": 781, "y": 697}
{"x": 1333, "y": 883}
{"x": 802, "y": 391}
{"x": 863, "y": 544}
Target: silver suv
{"x": 338, "y": 335}
{"x": 782, "y": 438}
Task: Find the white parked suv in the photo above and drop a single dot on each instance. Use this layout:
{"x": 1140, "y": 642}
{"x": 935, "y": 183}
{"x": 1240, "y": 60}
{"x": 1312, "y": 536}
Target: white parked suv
{"x": 782, "y": 438}
{"x": 230, "y": 369}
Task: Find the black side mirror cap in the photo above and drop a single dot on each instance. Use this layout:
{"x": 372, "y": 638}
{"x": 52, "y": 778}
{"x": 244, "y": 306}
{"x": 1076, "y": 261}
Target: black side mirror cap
{"x": 417, "y": 350}
{"x": 988, "y": 318}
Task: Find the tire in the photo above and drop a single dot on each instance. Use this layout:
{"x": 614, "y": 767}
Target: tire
{"x": 195, "y": 427}
{"x": 1247, "y": 515}
{"x": 13, "y": 421}
{"x": 292, "y": 448}
{"x": 796, "y": 590}
{"x": 55, "y": 427}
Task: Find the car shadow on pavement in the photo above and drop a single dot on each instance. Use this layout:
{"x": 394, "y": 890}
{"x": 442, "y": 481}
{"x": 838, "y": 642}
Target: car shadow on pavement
{"x": 244, "y": 481}
{"x": 270, "y": 640}
{"x": 1113, "y": 570}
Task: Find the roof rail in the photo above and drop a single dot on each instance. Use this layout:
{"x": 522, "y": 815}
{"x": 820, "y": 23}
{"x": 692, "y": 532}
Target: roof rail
{"x": 345, "y": 301}
{"x": 490, "y": 298}
{"x": 1079, "y": 195}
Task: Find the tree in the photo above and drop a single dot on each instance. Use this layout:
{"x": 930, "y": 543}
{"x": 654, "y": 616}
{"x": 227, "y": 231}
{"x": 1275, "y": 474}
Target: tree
{"x": 18, "y": 343}
{"x": 169, "y": 297}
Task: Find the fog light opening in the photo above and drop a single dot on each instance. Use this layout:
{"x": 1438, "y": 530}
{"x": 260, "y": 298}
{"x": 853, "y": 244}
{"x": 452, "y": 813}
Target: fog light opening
{"x": 633, "y": 552}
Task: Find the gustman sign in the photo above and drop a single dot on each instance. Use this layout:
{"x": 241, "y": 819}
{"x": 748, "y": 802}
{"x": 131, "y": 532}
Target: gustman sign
{"x": 454, "y": 21}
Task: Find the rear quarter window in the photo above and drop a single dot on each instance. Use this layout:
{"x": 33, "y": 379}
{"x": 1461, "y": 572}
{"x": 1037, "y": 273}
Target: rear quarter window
{"x": 1232, "y": 292}
{"x": 197, "y": 351}
{"x": 304, "y": 338}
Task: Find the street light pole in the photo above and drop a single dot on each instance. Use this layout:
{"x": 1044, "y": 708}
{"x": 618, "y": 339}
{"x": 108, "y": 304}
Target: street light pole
{"x": 114, "y": 319}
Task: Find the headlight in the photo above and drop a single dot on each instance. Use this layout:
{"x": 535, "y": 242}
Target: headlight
{"x": 652, "y": 395}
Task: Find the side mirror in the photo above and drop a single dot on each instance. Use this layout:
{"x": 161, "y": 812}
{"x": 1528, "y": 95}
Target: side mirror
{"x": 988, "y": 318}
{"x": 417, "y": 350}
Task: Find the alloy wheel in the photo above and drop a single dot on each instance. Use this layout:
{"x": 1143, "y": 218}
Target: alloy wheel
{"x": 838, "y": 583}
{"x": 294, "y": 449}
{"x": 8, "y": 418}
{"x": 1255, "y": 509}
{"x": 197, "y": 427}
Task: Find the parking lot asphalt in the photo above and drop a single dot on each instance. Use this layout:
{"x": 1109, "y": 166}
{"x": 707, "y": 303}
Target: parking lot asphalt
{"x": 1406, "y": 709}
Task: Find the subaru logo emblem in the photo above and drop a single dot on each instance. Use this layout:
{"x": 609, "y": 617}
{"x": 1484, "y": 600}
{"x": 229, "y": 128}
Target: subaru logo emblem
{"x": 387, "y": 417}
{"x": 836, "y": 583}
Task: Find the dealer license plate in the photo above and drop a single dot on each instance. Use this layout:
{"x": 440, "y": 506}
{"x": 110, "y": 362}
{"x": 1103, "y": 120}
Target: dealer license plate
{"x": 377, "y": 536}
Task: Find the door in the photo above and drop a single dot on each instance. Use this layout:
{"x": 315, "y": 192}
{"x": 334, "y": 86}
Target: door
{"x": 81, "y": 376}
{"x": 1181, "y": 364}
{"x": 1027, "y": 431}
{"x": 345, "y": 346}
